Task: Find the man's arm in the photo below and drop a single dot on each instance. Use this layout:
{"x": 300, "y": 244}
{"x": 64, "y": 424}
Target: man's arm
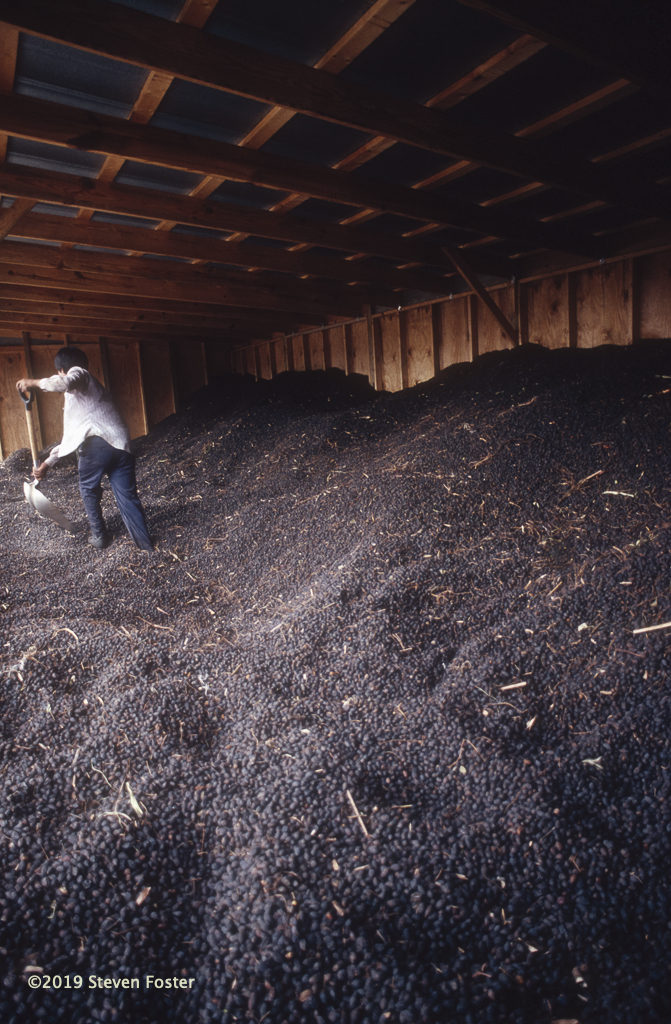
{"x": 26, "y": 383}
{"x": 74, "y": 380}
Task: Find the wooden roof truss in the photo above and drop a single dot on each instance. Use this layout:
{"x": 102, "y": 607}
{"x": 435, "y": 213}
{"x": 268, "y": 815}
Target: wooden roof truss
{"x": 511, "y": 167}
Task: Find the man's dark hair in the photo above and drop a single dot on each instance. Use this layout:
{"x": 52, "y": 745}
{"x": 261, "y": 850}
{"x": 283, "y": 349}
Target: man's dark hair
{"x": 70, "y": 356}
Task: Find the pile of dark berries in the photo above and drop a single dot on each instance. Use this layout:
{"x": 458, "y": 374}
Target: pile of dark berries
{"x": 380, "y": 732}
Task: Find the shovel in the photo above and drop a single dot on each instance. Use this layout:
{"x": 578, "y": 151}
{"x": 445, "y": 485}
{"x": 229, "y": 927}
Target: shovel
{"x": 33, "y": 495}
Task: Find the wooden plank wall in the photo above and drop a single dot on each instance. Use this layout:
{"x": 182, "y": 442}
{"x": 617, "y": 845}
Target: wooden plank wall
{"x": 615, "y": 303}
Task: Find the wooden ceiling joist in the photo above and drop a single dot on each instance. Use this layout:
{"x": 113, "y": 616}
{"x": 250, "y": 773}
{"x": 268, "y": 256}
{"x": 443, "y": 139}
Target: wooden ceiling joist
{"x": 79, "y": 129}
{"x": 62, "y": 299}
{"x": 114, "y": 254}
{"x": 152, "y": 319}
{"x": 38, "y": 323}
{"x": 627, "y": 40}
{"x": 19, "y": 266}
{"x": 195, "y": 56}
{"x": 190, "y": 247}
{"x": 369, "y": 26}
{"x": 132, "y": 201}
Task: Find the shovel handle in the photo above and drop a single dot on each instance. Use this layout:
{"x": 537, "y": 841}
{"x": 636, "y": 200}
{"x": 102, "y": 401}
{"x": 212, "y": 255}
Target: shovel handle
{"x": 27, "y": 401}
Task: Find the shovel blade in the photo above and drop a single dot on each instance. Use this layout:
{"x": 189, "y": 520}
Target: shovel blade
{"x": 44, "y": 507}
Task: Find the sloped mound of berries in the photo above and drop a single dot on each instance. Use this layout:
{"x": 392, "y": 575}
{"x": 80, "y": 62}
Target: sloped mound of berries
{"x": 380, "y": 732}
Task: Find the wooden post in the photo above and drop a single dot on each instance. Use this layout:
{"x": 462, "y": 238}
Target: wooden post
{"x": 326, "y": 342}
{"x": 9, "y": 218}
{"x": 635, "y": 301}
{"x": 473, "y": 325}
{"x": 273, "y": 356}
{"x": 403, "y": 348}
{"x": 372, "y": 362}
{"x": 348, "y": 349}
{"x": 291, "y": 362}
{"x": 173, "y": 377}
{"x": 521, "y": 319}
{"x": 436, "y": 336}
{"x": 572, "y": 310}
{"x": 203, "y": 356}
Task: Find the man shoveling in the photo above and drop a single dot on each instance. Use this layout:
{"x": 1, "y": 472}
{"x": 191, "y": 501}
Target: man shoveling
{"x": 93, "y": 427}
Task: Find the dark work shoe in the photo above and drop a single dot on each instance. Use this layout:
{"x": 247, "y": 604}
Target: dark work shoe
{"x": 99, "y": 540}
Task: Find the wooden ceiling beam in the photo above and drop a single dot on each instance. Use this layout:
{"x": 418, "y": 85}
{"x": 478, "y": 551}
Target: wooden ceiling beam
{"x": 61, "y": 125}
{"x": 45, "y": 311}
{"x": 488, "y": 72}
{"x": 10, "y": 218}
{"x": 97, "y": 326}
{"x": 369, "y": 26}
{"x": 62, "y": 300}
{"x": 131, "y": 36}
{"x": 259, "y": 289}
{"x": 52, "y": 333}
{"x": 195, "y": 13}
{"x": 28, "y": 268}
{"x": 64, "y": 189}
{"x": 53, "y": 228}
{"x": 9, "y": 48}
{"x": 628, "y": 40}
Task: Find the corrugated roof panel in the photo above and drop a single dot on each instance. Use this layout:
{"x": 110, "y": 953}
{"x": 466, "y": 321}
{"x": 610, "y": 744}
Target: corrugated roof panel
{"x": 479, "y": 184}
{"x": 295, "y": 29}
{"x": 186, "y": 229}
{"x": 63, "y": 74}
{"x": 266, "y": 243}
{"x": 53, "y": 158}
{"x": 314, "y": 141}
{"x": 55, "y": 211}
{"x": 208, "y": 113}
{"x": 33, "y": 241}
{"x": 324, "y": 212}
{"x": 123, "y": 221}
{"x": 432, "y": 45}
{"x": 630, "y": 119}
{"x": 165, "y": 179}
{"x": 97, "y": 249}
{"x": 246, "y": 194}
{"x": 168, "y": 9}
{"x": 403, "y": 165}
{"x": 547, "y": 82}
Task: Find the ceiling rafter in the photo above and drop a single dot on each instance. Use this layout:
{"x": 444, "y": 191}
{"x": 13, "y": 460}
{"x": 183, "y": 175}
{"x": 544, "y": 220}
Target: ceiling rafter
{"x": 190, "y": 247}
{"x": 197, "y": 218}
{"x": 195, "y": 56}
{"x": 30, "y": 264}
{"x": 109, "y": 304}
{"x": 195, "y": 13}
{"x": 132, "y": 201}
{"x": 56, "y": 124}
{"x": 610, "y": 36}
{"x": 368, "y": 27}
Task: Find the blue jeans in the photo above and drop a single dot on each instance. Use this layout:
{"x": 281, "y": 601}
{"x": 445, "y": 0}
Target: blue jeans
{"x": 97, "y": 458}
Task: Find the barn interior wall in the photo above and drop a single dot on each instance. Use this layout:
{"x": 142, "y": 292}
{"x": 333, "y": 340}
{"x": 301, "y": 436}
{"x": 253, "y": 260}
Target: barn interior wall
{"x": 616, "y": 303}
